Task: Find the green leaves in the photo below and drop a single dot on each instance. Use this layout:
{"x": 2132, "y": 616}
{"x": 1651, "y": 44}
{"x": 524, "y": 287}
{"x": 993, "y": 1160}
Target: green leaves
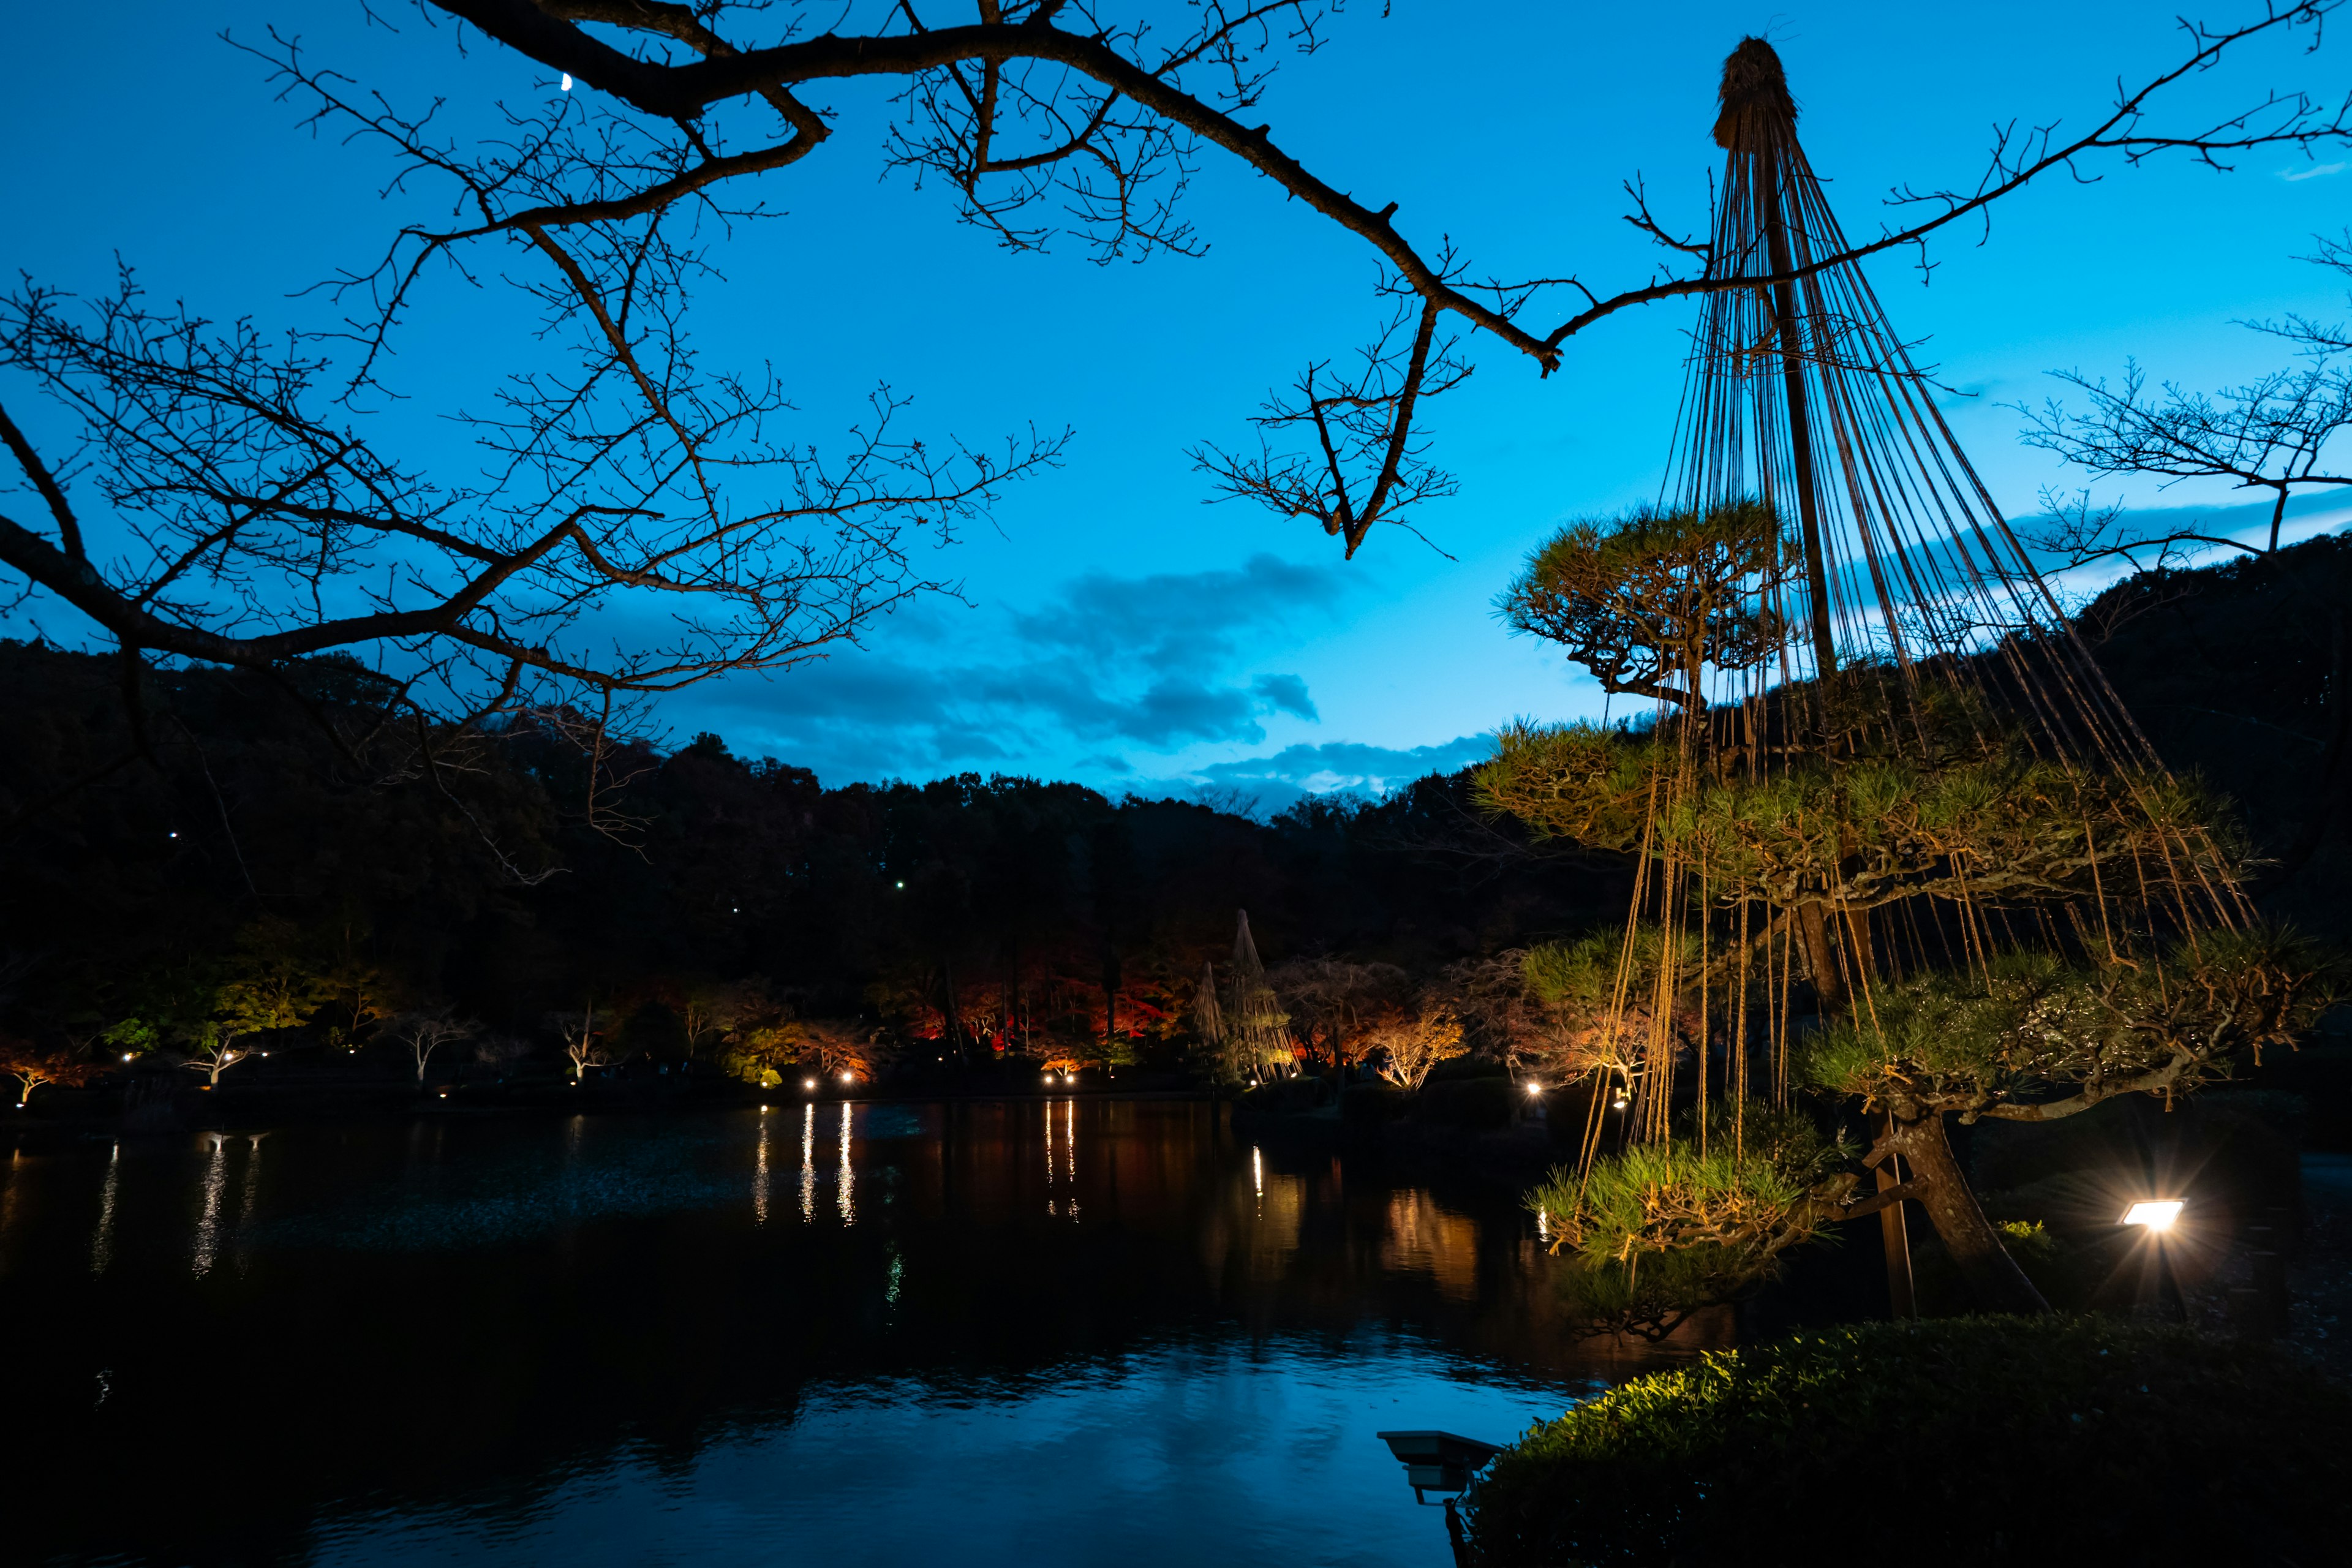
{"x": 1646, "y": 600}
{"x": 2034, "y": 1035}
{"x": 1864, "y": 828}
{"x": 1665, "y": 1228}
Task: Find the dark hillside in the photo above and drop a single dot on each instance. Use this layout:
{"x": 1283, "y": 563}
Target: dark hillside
{"x": 271, "y": 827}
{"x": 2240, "y": 673}
{"x": 273, "y": 836}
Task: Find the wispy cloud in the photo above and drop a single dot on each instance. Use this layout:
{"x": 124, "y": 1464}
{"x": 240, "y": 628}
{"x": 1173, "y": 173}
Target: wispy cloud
{"x": 1104, "y": 665}
{"x": 1343, "y": 766}
{"x": 2316, "y": 171}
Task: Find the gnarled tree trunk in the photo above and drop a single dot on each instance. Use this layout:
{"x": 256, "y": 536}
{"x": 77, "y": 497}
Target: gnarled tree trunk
{"x": 1936, "y": 1183}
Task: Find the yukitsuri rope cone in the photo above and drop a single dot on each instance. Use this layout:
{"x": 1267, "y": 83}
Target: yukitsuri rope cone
{"x": 1896, "y": 835}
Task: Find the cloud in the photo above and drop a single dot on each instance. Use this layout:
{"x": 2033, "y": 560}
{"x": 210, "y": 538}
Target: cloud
{"x": 1344, "y": 765}
{"x": 2318, "y": 172}
{"x": 1286, "y": 694}
{"x": 1104, "y": 664}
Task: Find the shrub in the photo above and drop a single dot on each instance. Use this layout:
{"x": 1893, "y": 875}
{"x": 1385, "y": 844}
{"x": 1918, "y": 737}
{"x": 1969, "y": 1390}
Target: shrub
{"x": 1461, "y": 1067}
{"x": 1977, "y": 1440}
{"x": 1474, "y": 1102}
{"x": 1287, "y": 1095}
{"x": 1371, "y": 1104}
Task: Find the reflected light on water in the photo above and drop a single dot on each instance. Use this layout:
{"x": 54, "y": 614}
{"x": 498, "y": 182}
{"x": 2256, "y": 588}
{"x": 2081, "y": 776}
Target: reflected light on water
{"x": 951, "y": 1375}
{"x": 248, "y": 1200}
{"x": 808, "y": 1163}
{"x": 208, "y": 1220}
{"x": 759, "y": 1175}
{"x": 1065, "y": 1170}
{"x": 846, "y": 1199}
{"x": 101, "y": 1245}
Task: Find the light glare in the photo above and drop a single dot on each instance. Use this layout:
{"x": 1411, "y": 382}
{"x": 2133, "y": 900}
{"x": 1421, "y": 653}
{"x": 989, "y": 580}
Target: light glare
{"x": 2157, "y": 1214}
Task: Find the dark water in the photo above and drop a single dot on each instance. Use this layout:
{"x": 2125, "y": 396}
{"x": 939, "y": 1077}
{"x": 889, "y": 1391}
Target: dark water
{"x": 1090, "y": 1331}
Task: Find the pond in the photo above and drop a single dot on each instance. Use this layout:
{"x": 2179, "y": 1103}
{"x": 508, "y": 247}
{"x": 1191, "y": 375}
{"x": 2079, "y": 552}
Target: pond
{"x": 1080, "y": 1330}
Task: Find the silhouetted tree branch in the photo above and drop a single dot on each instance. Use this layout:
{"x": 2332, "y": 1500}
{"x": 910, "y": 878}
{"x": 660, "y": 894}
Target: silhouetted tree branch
{"x": 625, "y": 479}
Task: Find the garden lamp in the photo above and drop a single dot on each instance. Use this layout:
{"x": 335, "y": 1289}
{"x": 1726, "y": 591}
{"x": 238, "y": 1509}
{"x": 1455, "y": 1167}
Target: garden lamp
{"x": 1441, "y": 1462}
{"x": 2156, "y": 1217}
{"x": 1438, "y": 1461}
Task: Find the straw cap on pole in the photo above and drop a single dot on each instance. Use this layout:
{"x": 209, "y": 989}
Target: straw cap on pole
{"x": 1755, "y": 97}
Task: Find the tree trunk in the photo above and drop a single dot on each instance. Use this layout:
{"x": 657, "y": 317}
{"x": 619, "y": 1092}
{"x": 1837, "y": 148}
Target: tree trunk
{"x": 1111, "y": 978}
{"x": 1820, "y": 956}
{"x": 952, "y": 1013}
{"x": 1993, "y": 1277}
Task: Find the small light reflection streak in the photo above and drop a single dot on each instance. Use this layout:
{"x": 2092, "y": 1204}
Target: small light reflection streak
{"x": 101, "y": 1245}
{"x": 248, "y": 1201}
{"x": 846, "y": 1199}
{"x": 808, "y": 1163}
{"x": 759, "y": 1175}
{"x": 208, "y": 1222}
{"x": 1069, "y": 1165}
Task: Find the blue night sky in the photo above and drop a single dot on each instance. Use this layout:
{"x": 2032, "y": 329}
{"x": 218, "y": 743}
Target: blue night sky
{"x": 1112, "y": 628}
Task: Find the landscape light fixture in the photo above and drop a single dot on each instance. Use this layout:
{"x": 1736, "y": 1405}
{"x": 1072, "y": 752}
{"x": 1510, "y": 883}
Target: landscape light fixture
{"x": 1619, "y": 1103}
{"x": 126, "y": 1055}
{"x": 848, "y": 1078}
{"x": 809, "y": 1084}
{"x": 1441, "y": 1462}
{"x": 2157, "y": 1214}
{"x": 1535, "y": 1088}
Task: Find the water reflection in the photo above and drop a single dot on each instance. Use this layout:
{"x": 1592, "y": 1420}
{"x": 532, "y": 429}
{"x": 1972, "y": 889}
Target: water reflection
{"x": 808, "y": 1164}
{"x": 1424, "y": 1239}
{"x": 1062, "y": 1200}
{"x": 633, "y": 1377}
{"x": 759, "y": 1175}
{"x": 248, "y": 1201}
{"x": 102, "y": 1245}
{"x": 845, "y": 1198}
{"x": 208, "y": 1219}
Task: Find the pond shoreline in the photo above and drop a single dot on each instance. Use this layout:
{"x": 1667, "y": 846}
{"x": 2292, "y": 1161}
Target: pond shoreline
{"x": 61, "y": 1116}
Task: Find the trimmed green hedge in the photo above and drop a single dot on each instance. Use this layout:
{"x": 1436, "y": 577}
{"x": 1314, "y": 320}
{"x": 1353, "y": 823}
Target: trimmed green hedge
{"x": 1975, "y": 1440}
